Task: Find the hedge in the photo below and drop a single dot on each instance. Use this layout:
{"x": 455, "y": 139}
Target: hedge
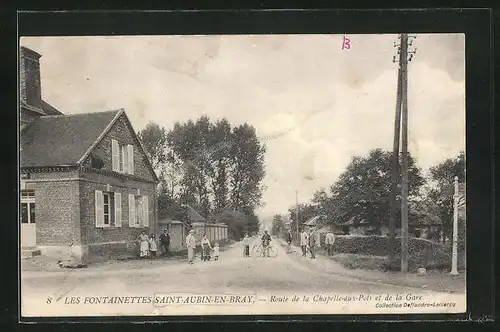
{"x": 422, "y": 252}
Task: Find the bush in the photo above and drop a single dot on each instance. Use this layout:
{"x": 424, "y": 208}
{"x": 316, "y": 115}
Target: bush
{"x": 353, "y": 261}
{"x": 422, "y": 252}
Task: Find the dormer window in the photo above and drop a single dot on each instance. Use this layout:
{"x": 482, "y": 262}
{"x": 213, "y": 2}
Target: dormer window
{"x": 122, "y": 157}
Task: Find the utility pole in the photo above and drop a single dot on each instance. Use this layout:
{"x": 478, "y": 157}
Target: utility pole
{"x": 404, "y": 150}
{"x": 395, "y": 161}
{"x": 404, "y": 155}
{"x": 297, "y": 215}
{"x": 401, "y": 114}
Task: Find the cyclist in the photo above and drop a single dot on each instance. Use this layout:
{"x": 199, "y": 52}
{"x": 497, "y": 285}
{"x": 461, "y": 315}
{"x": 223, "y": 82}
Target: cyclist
{"x": 266, "y": 241}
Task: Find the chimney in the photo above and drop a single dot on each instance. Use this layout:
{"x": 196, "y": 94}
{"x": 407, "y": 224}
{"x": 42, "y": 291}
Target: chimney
{"x": 31, "y": 92}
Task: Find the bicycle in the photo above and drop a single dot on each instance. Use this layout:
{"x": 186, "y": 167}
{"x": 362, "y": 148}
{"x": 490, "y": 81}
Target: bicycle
{"x": 258, "y": 250}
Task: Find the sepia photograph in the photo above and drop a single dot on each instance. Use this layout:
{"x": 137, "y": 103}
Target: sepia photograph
{"x": 229, "y": 175}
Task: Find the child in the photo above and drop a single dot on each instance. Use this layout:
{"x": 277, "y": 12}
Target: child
{"x": 216, "y": 252}
{"x": 153, "y": 247}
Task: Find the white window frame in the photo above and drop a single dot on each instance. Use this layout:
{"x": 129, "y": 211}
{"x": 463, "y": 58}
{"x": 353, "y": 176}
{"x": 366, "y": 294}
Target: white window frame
{"x": 118, "y": 209}
{"x": 130, "y": 159}
{"x": 106, "y": 195}
{"x": 122, "y": 157}
{"x": 138, "y": 211}
{"x": 132, "y": 218}
{"x": 115, "y": 155}
{"x": 114, "y": 214}
{"x": 28, "y": 198}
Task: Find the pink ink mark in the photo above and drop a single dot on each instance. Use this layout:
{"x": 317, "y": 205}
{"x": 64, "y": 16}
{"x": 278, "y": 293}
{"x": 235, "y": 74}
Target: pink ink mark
{"x": 346, "y": 43}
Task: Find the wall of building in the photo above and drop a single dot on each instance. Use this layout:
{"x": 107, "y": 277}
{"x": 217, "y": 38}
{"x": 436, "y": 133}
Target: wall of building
{"x": 57, "y": 217}
{"x": 112, "y": 242}
{"x": 121, "y": 133}
{"x": 215, "y": 232}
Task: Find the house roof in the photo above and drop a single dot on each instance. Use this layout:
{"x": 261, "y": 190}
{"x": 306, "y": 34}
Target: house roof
{"x": 193, "y": 215}
{"x": 313, "y": 221}
{"x": 169, "y": 221}
{"x": 49, "y": 109}
{"x": 61, "y": 140}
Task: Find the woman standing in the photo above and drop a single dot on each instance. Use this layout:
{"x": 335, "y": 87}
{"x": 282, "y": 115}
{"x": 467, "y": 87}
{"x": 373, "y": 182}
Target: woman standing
{"x": 205, "y": 247}
{"x": 144, "y": 244}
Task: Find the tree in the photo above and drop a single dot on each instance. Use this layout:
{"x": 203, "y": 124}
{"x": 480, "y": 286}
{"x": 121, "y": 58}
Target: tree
{"x": 253, "y": 223}
{"x": 442, "y": 189}
{"x": 154, "y": 139}
{"x": 247, "y": 168}
{"x": 219, "y": 149}
{"x": 306, "y": 212}
{"x": 277, "y": 224}
{"x": 236, "y": 222}
{"x": 363, "y": 190}
{"x": 219, "y": 167}
{"x": 169, "y": 208}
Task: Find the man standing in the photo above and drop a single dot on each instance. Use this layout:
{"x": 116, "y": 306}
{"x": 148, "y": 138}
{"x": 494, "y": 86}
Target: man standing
{"x": 329, "y": 239}
{"x": 266, "y": 241}
{"x": 289, "y": 241}
{"x": 312, "y": 244}
{"x": 191, "y": 246}
{"x": 303, "y": 242}
{"x": 165, "y": 241}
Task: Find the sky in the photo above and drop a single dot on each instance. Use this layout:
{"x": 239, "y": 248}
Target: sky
{"x": 314, "y": 104}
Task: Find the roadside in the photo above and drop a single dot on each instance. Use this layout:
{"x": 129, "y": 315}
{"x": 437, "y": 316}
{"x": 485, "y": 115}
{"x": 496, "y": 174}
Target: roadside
{"x": 434, "y": 280}
{"x": 41, "y": 266}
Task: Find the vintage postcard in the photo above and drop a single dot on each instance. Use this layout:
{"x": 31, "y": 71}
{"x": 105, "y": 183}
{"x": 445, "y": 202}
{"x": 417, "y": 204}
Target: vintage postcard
{"x": 242, "y": 175}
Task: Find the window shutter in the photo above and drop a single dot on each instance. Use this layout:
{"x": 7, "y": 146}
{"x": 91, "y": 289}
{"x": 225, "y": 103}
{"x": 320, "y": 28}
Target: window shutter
{"x": 99, "y": 209}
{"x": 124, "y": 159}
{"x": 130, "y": 156}
{"x": 118, "y": 210}
{"x": 131, "y": 210}
{"x": 145, "y": 210}
{"x": 115, "y": 155}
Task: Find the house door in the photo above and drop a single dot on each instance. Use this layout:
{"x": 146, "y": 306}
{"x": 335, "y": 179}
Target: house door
{"x": 28, "y": 226}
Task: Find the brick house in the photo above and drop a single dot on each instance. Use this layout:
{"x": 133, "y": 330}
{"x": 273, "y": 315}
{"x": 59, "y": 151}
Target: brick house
{"x": 87, "y": 186}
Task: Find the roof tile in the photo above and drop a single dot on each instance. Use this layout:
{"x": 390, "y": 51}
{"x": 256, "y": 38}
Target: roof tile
{"x": 61, "y": 140}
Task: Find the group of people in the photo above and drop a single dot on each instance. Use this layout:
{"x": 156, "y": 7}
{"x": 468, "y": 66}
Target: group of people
{"x": 206, "y": 248}
{"x": 149, "y": 244}
{"x": 310, "y": 241}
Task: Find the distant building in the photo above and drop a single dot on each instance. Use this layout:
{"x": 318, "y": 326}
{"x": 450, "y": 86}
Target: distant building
{"x": 87, "y": 185}
{"x": 177, "y": 231}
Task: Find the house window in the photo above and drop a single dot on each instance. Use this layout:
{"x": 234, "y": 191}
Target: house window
{"x": 108, "y": 209}
{"x": 138, "y": 211}
{"x": 28, "y": 206}
{"x": 120, "y": 167}
{"x": 122, "y": 157}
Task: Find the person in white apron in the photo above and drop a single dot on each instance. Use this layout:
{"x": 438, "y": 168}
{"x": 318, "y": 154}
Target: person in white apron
{"x": 191, "y": 246}
{"x": 143, "y": 244}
